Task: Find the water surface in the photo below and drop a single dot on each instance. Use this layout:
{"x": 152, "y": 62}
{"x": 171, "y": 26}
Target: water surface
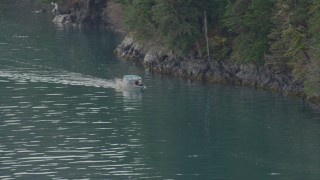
{"x": 63, "y": 115}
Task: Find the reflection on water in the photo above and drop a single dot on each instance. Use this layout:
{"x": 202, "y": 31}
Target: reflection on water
{"x": 134, "y": 94}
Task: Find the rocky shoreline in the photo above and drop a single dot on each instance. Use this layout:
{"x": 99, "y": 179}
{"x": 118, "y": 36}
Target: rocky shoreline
{"x": 276, "y": 78}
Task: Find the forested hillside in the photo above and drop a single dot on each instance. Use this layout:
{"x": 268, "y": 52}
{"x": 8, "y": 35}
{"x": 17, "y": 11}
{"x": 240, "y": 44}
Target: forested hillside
{"x": 259, "y": 32}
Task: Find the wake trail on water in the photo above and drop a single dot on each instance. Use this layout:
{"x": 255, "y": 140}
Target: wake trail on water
{"x": 29, "y": 72}
{"x": 61, "y": 77}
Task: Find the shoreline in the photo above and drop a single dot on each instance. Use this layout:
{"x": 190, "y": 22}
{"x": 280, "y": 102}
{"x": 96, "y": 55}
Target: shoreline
{"x": 274, "y": 78}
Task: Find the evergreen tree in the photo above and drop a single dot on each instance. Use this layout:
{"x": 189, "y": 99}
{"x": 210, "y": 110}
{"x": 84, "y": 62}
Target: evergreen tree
{"x": 174, "y": 24}
{"x": 312, "y": 84}
{"x": 138, "y": 19}
{"x": 177, "y": 23}
{"x": 249, "y": 21}
{"x": 314, "y": 27}
{"x": 288, "y": 38}
{"x": 50, "y": 1}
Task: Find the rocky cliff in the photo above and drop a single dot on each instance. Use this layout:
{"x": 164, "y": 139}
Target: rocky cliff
{"x": 88, "y": 12}
{"x": 99, "y": 13}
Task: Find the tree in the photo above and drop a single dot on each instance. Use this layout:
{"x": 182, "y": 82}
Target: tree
{"x": 177, "y": 23}
{"x": 249, "y": 22}
{"x": 312, "y": 84}
{"x": 138, "y": 19}
{"x": 314, "y": 27}
{"x": 174, "y": 24}
{"x": 288, "y": 37}
{"x": 50, "y": 1}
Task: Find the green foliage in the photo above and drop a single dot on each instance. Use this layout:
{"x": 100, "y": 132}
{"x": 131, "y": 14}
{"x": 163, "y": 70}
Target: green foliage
{"x": 177, "y": 23}
{"x": 296, "y": 39}
{"x": 123, "y": 1}
{"x": 249, "y": 21}
{"x": 49, "y": 1}
{"x": 314, "y": 27}
{"x": 288, "y": 37}
{"x": 249, "y": 31}
{"x": 312, "y": 84}
{"x": 173, "y": 24}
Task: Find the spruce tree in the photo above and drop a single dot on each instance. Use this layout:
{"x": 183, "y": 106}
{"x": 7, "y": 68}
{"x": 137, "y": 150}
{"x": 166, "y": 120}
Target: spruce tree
{"x": 288, "y": 37}
{"x": 249, "y": 21}
{"x": 177, "y": 23}
{"x": 312, "y": 84}
{"x": 174, "y": 24}
{"x": 138, "y": 19}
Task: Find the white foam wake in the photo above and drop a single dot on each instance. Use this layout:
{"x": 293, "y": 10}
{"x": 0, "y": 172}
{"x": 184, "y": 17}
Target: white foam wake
{"x": 61, "y": 77}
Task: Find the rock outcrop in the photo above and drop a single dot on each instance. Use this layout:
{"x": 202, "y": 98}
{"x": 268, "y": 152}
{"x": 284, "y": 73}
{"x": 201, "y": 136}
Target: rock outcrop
{"x": 63, "y": 18}
{"x": 98, "y": 13}
{"x": 82, "y": 12}
{"x": 272, "y": 77}
{"x": 89, "y": 12}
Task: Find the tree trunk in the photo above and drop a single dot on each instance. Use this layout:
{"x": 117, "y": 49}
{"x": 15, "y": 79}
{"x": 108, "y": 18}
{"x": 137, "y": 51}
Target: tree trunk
{"x": 199, "y": 48}
{"x": 206, "y": 33}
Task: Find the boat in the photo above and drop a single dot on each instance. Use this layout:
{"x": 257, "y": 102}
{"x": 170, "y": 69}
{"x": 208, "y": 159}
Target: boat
{"x": 133, "y": 82}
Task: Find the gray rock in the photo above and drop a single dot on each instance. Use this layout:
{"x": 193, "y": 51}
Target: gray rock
{"x": 88, "y": 12}
{"x": 150, "y": 57}
{"x": 273, "y": 77}
{"x": 64, "y": 18}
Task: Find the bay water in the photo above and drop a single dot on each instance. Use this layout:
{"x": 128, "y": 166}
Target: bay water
{"x": 64, "y": 115}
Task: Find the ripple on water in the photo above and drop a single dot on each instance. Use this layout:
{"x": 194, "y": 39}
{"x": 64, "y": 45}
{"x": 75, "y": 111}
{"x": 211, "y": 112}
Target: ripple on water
{"x": 8, "y": 107}
{"x": 54, "y": 94}
{"x": 17, "y": 97}
{"x": 40, "y": 107}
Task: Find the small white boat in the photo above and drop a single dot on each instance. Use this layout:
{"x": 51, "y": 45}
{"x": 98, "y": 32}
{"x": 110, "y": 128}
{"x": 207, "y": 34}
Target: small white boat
{"x": 133, "y": 82}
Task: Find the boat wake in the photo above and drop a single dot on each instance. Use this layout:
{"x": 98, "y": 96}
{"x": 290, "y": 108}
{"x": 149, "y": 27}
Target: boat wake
{"x": 26, "y": 72}
{"x": 60, "y": 77}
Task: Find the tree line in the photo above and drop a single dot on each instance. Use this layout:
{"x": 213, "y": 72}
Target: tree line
{"x": 246, "y": 31}
{"x": 259, "y": 32}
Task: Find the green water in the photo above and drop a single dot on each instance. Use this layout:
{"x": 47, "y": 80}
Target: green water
{"x": 64, "y": 116}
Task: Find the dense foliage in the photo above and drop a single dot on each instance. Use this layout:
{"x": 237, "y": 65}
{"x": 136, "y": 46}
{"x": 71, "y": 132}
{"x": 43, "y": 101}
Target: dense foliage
{"x": 248, "y": 31}
{"x": 174, "y": 24}
{"x": 250, "y": 22}
{"x": 51, "y": 1}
